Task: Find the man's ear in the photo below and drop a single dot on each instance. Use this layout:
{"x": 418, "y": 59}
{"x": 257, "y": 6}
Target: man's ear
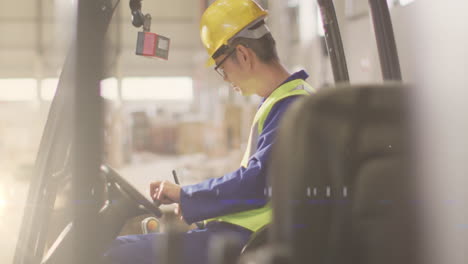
{"x": 245, "y": 56}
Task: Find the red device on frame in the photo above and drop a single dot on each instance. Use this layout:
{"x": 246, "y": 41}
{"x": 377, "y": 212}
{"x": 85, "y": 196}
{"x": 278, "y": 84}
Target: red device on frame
{"x": 152, "y": 45}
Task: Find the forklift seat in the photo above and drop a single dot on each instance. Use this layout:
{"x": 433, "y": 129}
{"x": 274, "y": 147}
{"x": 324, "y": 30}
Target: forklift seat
{"x": 341, "y": 181}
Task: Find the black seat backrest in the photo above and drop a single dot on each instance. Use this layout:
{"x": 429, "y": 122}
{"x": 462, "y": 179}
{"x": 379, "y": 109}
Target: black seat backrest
{"x": 341, "y": 187}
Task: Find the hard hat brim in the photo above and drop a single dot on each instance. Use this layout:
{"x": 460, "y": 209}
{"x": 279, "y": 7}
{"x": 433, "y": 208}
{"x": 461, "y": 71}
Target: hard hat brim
{"x": 210, "y": 62}
{"x": 254, "y": 34}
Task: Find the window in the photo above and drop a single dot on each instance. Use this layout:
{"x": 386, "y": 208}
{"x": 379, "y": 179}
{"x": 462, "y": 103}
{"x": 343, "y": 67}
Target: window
{"x": 320, "y": 29}
{"x": 395, "y": 3}
{"x": 109, "y": 89}
{"x": 21, "y": 89}
{"x": 157, "y": 88}
{"x": 48, "y": 88}
{"x": 404, "y": 2}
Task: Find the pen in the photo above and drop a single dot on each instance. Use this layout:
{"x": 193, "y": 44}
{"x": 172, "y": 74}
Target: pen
{"x": 200, "y": 224}
{"x": 176, "y": 180}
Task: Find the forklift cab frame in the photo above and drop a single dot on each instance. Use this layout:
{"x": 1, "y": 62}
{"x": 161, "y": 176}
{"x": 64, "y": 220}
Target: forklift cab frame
{"x": 100, "y": 200}
{"x": 71, "y": 150}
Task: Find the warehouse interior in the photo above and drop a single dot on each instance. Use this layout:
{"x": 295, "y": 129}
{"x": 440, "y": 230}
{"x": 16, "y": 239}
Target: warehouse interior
{"x": 163, "y": 115}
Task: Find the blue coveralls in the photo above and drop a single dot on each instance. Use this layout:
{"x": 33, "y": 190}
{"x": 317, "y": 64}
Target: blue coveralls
{"x": 241, "y": 190}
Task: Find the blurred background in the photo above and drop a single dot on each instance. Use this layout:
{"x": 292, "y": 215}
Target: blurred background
{"x": 163, "y": 115}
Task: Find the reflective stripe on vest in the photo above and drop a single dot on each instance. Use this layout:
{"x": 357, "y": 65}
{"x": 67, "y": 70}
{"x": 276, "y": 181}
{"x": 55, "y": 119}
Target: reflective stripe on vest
{"x": 257, "y": 218}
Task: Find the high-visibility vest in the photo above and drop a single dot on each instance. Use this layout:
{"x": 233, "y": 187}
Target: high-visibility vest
{"x": 257, "y": 218}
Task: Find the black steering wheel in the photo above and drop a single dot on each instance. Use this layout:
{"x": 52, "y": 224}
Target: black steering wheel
{"x": 114, "y": 179}
{"x": 121, "y": 202}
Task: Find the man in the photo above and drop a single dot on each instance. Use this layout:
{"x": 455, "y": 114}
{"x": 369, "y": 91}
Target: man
{"x": 244, "y": 53}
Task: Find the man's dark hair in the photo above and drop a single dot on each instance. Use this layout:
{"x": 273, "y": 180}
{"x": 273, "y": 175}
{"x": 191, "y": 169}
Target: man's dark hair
{"x": 264, "y": 47}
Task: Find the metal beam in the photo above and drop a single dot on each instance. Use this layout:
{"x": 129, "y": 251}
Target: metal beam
{"x": 92, "y": 22}
{"x": 333, "y": 41}
{"x": 388, "y": 54}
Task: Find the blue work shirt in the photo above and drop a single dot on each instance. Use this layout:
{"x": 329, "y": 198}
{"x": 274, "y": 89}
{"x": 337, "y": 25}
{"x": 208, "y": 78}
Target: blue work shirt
{"x": 241, "y": 190}
{"x": 245, "y": 188}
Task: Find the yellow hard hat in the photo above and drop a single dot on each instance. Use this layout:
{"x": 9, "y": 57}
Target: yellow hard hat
{"x": 223, "y": 19}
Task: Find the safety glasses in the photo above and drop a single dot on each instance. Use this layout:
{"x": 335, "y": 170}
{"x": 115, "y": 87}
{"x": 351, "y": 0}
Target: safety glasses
{"x": 218, "y": 68}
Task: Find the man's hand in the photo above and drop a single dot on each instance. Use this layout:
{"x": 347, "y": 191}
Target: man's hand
{"x": 164, "y": 191}
{"x": 178, "y": 212}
